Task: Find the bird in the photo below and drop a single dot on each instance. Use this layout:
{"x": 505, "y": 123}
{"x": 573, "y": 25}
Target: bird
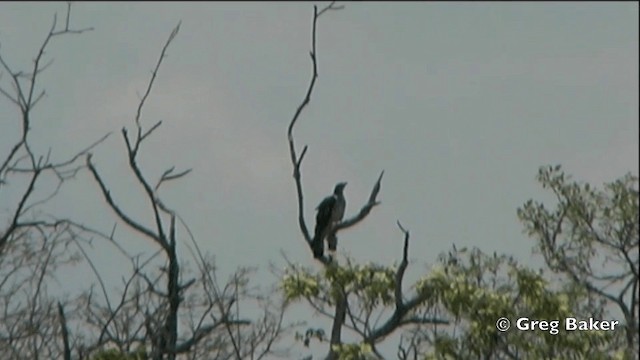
{"x": 330, "y": 212}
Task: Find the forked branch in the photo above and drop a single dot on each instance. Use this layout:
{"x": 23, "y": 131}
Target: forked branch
{"x": 296, "y": 160}
{"x": 403, "y": 308}
{"x": 364, "y": 211}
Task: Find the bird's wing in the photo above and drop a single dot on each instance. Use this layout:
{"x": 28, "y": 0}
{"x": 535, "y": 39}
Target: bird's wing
{"x": 327, "y": 203}
{"x": 323, "y": 218}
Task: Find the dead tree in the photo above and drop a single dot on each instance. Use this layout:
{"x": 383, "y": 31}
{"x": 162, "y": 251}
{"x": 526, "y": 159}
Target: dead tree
{"x": 145, "y": 317}
{"x": 32, "y": 243}
{"x": 296, "y": 160}
{"x": 345, "y": 315}
{"x": 341, "y": 306}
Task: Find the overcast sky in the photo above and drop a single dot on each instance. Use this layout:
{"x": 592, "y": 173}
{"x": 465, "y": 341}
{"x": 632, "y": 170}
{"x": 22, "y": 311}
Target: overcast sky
{"x": 459, "y": 103}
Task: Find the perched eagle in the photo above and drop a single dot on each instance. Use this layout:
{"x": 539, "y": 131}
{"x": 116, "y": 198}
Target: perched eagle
{"x": 330, "y": 212}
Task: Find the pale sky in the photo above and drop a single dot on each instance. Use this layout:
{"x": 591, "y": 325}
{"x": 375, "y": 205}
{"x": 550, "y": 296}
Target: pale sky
{"x": 459, "y": 103}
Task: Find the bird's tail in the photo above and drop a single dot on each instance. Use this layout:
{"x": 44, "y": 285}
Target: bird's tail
{"x": 332, "y": 242}
{"x": 317, "y": 246}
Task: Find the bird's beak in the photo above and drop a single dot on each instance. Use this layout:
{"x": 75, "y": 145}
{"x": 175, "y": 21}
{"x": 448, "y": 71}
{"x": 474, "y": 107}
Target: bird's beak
{"x": 343, "y": 184}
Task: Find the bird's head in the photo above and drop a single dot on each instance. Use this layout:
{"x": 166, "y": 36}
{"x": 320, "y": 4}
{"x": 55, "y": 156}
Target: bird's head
{"x": 339, "y": 187}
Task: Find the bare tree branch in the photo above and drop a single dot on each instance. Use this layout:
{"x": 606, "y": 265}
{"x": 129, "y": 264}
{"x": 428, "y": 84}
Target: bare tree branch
{"x": 364, "y": 211}
{"x": 65, "y": 333}
{"x": 402, "y": 308}
{"x": 168, "y": 176}
{"x": 24, "y": 99}
{"x": 151, "y": 81}
{"x": 295, "y": 160}
{"x": 402, "y": 268}
{"x": 107, "y": 195}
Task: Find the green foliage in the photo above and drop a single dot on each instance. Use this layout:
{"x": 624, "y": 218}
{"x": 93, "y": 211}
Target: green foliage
{"x": 114, "y": 354}
{"x": 353, "y": 351}
{"x": 477, "y": 289}
{"x": 369, "y": 288}
{"x": 584, "y": 220}
{"x": 588, "y": 232}
{"x": 373, "y": 284}
{"x": 300, "y": 284}
{"x": 590, "y": 237}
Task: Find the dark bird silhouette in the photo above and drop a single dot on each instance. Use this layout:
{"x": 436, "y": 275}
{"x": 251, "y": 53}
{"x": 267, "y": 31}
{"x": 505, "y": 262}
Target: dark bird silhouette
{"x": 330, "y": 212}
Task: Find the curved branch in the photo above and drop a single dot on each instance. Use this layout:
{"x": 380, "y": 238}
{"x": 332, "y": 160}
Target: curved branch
{"x": 124, "y": 217}
{"x": 402, "y": 268}
{"x": 295, "y": 160}
{"x": 366, "y": 209}
{"x": 398, "y": 318}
